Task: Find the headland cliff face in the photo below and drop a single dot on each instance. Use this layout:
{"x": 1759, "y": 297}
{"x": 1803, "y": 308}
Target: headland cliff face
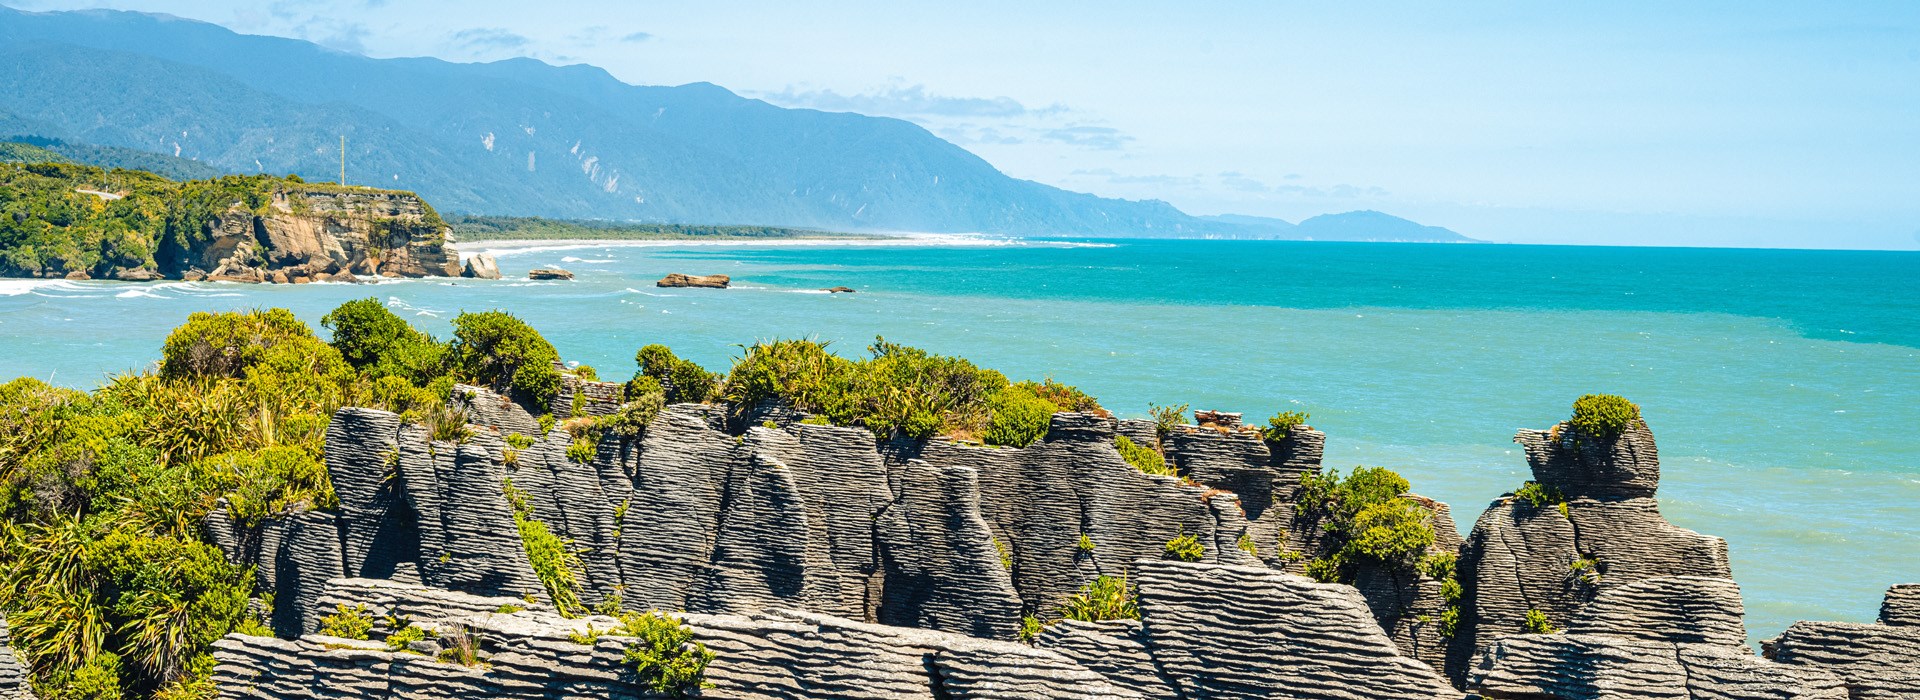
{"x": 815, "y": 561}
{"x": 305, "y": 236}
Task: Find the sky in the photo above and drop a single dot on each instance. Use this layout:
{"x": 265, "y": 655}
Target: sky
{"x": 1658, "y": 123}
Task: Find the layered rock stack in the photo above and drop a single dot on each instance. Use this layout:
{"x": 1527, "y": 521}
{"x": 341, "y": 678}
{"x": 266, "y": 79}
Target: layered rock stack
{"x": 13, "y": 675}
{"x": 817, "y": 561}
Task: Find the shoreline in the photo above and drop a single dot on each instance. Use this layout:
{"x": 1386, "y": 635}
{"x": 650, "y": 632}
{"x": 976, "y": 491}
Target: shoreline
{"x": 505, "y": 246}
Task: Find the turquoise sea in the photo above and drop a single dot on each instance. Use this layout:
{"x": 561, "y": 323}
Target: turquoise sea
{"x": 1784, "y": 386}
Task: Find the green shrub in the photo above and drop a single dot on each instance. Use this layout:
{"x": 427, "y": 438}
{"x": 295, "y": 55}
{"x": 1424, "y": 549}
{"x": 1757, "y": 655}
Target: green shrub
{"x": 1186, "y": 548}
{"x": 1086, "y": 543}
{"x": 350, "y": 623}
{"x": 1030, "y": 627}
{"x": 1006, "y": 554}
{"x": 1537, "y": 623}
{"x": 581, "y": 450}
{"x": 1103, "y": 598}
{"x": 681, "y": 381}
{"x": 509, "y": 608}
{"x": 518, "y": 441}
{"x": 1246, "y": 544}
{"x": 586, "y": 373}
{"x": 261, "y": 484}
{"x": 381, "y": 344}
{"x": 1282, "y": 424}
{"x": 1019, "y": 417}
{"x": 1064, "y": 397}
{"x": 1439, "y": 566}
{"x": 495, "y": 349}
{"x": 1145, "y": 459}
{"x": 1393, "y": 531}
{"x": 633, "y": 418}
{"x": 1539, "y": 495}
{"x": 1603, "y": 416}
{"x": 1326, "y": 570}
{"x": 664, "y": 656}
{"x": 1166, "y": 418}
{"x": 227, "y": 344}
{"x": 409, "y": 634}
{"x": 1450, "y": 622}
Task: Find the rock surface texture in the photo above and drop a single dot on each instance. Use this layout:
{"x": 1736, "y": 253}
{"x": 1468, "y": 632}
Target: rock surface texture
{"x": 816, "y": 561}
{"x": 316, "y": 234}
{"x": 13, "y": 675}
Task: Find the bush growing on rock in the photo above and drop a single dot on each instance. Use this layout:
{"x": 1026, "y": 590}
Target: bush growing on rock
{"x": 1147, "y": 460}
{"x": 552, "y": 558}
{"x": 680, "y": 381}
{"x": 1603, "y": 416}
{"x": 1282, "y": 424}
{"x": 1103, "y": 598}
{"x": 347, "y": 623}
{"x": 380, "y": 344}
{"x": 1539, "y": 495}
{"x": 1020, "y": 417}
{"x": 664, "y": 656}
{"x": 496, "y": 349}
{"x": 1186, "y": 548}
{"x": 1367, "y": 518}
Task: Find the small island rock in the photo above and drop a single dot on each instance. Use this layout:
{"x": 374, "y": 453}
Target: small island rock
{"x": 709, "y": 281}
{"x": 482, "y": 266}
{"x": 838, "y": 290}
{"x": 549, "y": 273}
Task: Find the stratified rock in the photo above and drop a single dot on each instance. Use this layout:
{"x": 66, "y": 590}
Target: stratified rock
{"x": 378, "y": 528}
{"x": 944, "y": 567}
{"x": 1876, "y": 661}
{"x": 681, "y": 280}
{"x": 1114, "y": 649}
{"x": 1556, "y": 558}
{"x": 1901, "y": 606}
{"x": 1626, "y": 466}
{"x": 1594, "y": 667}
{"x": 482, "y": 266}
{"x": 13, "y": 673}
{"x": 1680, "y": 609}
{"x": 673, "y": 509}
{"x": 1243, "y": 632}
{"x": 309, "y": 556}
{"x": 548, "y": 273}
{"x": 138, "y": 274}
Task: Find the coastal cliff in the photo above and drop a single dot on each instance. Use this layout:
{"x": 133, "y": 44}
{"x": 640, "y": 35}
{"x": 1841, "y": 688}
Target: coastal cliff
{"x": 77, "y": 222}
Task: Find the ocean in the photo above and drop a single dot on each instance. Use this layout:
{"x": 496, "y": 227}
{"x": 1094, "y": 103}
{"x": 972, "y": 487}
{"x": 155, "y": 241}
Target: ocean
{"x": 1783, "y": 386}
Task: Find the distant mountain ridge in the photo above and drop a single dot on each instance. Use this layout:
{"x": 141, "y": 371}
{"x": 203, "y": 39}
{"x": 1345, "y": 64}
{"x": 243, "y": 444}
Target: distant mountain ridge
{"x": 521, "y": 137}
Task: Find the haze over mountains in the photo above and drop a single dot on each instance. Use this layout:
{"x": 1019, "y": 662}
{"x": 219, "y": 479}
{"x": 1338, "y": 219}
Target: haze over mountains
{"x": 523, "y": 137}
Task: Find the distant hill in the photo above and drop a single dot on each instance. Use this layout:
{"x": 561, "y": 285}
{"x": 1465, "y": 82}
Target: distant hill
{"x": 521, "y": 137}
{"x": 1372, "y": 226}
{"x": 36, "y": 149}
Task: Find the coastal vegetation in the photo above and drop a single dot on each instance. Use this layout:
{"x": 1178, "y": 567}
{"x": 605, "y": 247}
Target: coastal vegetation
{"x": 58, "y": 218}
{"x": 1368, "y": 519}
{"x": 472, "y": 227}
{"x": 112, "y": 590}
{"x": 1603, "y": 416}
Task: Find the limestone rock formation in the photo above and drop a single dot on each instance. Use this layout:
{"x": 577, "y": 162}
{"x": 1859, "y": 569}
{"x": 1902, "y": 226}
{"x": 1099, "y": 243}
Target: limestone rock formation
{"x": 319, "y": 233}
{"x": 548, "y": 273}
{"x": 1556, "y": 558}
{"x": 481, "y": 266}
{"x": 1874, "y": 661}
{"x": 683, "y": 280}
{"x": 13, "y": 674}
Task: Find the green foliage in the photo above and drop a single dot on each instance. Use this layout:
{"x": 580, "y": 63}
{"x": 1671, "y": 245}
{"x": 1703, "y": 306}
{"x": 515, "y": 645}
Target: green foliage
{"x": 552, "y": 557}
{"x": 1603, "y": 416}
{"x": 1006, "y": 554}
{"x": 1450, "y": 622}
{"x": 664, "y": 656}
{"x": 1030, "y": 627}
{"x": 581, "y": 450}
{"x": 899, "y": 389}
{"x": 1246, "y": 544}
{"x": 461, "y": 647}
{"x": 586, "y": 373}
{"x": 226, "y": 345}
{"x": 349, "y": 623}
{"x": 1166, "y": 418}
{"x": 1367, "y": 519}
{"x": 1439, "y": 566}
{"x": 1086, "y": 543}
{"x": 496, "y": 349}
{"x": 518, "y": 441}
{"x": 1282, "y": 424}
{"x": 380, "y": 344}
{"x": 409, "y": 634}
{"x": 1539, "y": 495}
{"x": 261, "y": 484}
{"x": 1145, "y": 459}
{"x": 1537, "y": 623}
{"x": 680, "y": 381}
{"x": 1186, "y": 548}
{"x": 1020, "y": 417}
{"x": 1103, "y": 598}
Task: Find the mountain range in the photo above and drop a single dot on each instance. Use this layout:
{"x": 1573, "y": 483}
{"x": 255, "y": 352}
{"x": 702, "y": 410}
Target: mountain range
{"x": 523, "y": 137}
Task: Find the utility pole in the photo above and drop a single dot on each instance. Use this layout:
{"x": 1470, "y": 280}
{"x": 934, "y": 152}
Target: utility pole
{"x": 343, "y": 160}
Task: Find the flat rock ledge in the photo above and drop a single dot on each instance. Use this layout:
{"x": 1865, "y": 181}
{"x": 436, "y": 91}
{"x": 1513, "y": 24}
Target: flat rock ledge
{"x": 548, "y": 273}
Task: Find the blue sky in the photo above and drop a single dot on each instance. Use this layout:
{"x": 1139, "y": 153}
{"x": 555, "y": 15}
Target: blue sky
{"x": 1752, "y": 124}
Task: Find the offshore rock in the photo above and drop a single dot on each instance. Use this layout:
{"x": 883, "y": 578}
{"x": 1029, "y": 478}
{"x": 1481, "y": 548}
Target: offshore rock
{"x": 482, "y": 266}
{"x": 548, "y": 273}
{"x": 682, "y": 280}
